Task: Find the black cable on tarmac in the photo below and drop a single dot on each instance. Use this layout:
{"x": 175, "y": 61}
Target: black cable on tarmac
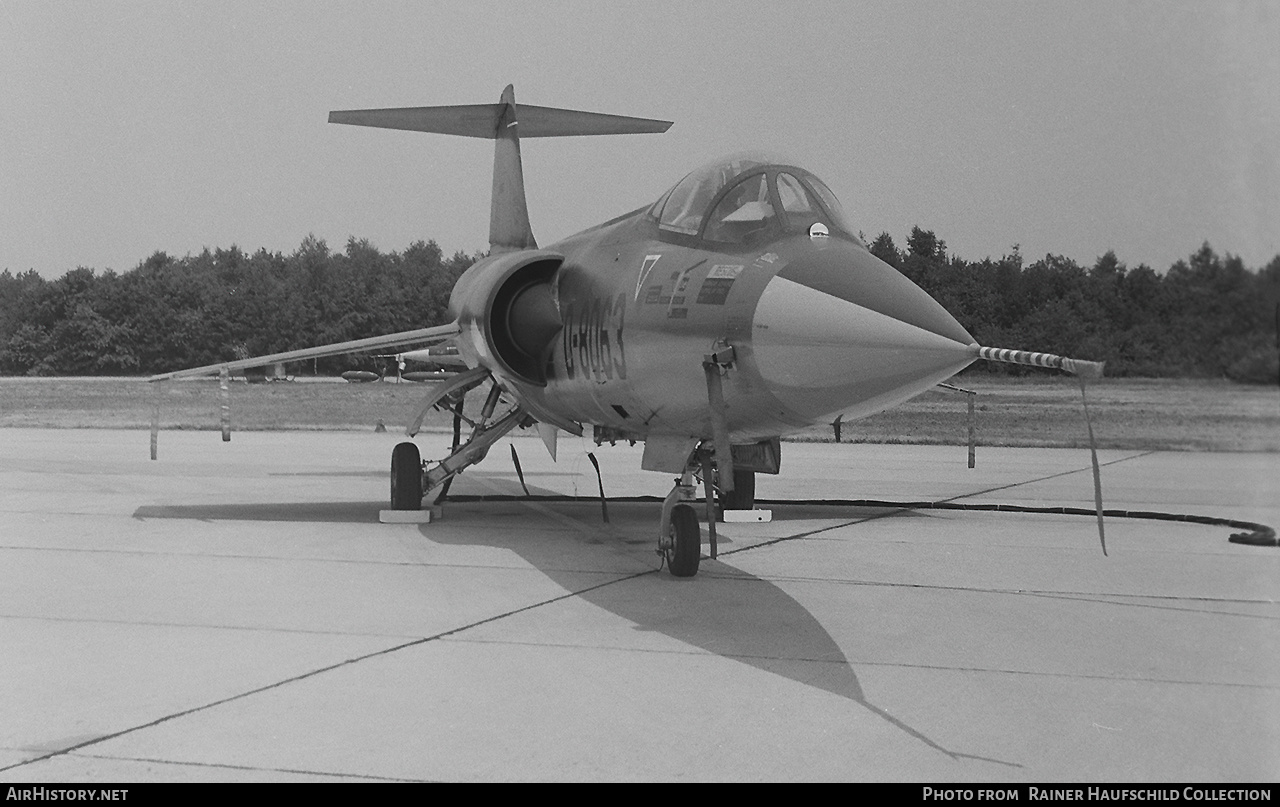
{"x": 1254, "y": 534}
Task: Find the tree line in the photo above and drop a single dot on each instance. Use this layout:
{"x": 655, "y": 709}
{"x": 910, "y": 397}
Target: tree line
{"x": 169, "y": 313}
{"x": 1207, "y": 316}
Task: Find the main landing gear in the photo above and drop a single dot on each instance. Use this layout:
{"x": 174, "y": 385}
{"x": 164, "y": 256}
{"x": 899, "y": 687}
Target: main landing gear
{"x": 679, "y": 534}
{"x": 412, "y": 480}
{"x": 406, "y": 477}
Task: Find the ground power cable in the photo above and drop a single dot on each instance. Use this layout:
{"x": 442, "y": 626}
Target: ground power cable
{"x": 1254, "y": 534}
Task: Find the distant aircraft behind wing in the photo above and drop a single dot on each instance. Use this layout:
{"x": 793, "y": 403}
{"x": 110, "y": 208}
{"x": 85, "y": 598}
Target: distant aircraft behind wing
{"x": 739, "y": 307}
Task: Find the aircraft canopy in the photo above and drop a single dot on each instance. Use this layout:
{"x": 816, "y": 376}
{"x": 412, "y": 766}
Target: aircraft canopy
{"x": 744, "y": 197}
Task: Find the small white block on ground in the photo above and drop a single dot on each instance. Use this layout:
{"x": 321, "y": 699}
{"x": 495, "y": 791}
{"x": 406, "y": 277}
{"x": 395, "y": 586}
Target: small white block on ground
{"x": 404, "y": 516}
{"x": 747, "y": 516}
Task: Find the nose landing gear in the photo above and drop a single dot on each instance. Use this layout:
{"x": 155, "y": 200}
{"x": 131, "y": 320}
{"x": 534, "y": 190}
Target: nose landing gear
{"x": 683, "y": 548}
{"x": 679, "y": 535}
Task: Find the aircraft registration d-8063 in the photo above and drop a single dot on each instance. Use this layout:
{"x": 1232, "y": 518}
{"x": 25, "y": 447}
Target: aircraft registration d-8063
{"x": 739, "y": 307}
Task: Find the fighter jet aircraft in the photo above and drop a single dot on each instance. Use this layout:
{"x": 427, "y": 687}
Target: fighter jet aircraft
{"x": 739, "y": 307}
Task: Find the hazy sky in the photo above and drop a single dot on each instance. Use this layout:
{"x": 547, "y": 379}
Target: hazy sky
{"x": 1066, "y": 127}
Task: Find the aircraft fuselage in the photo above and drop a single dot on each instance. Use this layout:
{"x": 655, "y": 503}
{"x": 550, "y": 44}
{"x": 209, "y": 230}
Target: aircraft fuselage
{"x": 820, "y": 328}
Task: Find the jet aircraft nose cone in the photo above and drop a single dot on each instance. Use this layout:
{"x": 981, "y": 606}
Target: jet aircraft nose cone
{"x": 840, "y": 332}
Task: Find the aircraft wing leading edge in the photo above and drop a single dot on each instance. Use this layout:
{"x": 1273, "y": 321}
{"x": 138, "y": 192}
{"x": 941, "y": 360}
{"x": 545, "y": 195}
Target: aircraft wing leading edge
{"x": 420, "y": 336}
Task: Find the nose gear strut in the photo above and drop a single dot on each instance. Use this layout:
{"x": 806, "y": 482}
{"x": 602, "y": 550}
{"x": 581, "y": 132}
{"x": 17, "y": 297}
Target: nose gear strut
{"x": 679, "y": 535}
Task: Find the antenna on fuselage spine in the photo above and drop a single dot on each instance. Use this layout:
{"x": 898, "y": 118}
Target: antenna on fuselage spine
{"x": 504, "y": 123}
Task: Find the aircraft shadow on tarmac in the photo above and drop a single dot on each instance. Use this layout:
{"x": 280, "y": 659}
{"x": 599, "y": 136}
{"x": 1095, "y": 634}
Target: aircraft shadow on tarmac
{"x": 314, "y": 512}
{"x": 724, "y": 610}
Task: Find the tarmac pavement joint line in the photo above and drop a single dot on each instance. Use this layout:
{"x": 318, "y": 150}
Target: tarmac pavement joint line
{"x": 325, "y": 669}
{"x": 747, "y": 658}
{"x": 229, "y": 766}
{"x": 1075, "y": 596}
{"x": 1139, "y": 455}
{"x": 237, "y": 556}
{"x": 560, "y": 518}
{"x": 70, "y": 750}
{"x": 568, "y": 521}
{"x": 1079, "y": 596}
{"x": 78, "y": 620}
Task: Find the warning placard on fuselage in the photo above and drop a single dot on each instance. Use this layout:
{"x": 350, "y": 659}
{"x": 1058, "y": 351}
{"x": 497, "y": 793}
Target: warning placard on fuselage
{"x": 715, "y": 289}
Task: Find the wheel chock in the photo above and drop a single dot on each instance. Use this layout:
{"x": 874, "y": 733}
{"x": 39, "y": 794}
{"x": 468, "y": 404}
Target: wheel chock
{"x": 423, "y": 516}
{"x": 748, "y": 516}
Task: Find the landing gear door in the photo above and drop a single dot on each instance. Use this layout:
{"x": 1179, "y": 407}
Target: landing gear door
{"x": 764, "y": 457}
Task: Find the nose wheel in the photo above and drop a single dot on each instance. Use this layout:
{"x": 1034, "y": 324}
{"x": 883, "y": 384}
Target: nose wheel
{"x": 679, "y": 536}
{"x": 683, "y": 545}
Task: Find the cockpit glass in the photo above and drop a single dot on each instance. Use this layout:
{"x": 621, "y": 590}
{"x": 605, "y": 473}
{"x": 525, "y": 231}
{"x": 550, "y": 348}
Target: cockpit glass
{"x": 688, "y": 201}
{"x": 765, "y": 192}
{"x": 743, "y": 212}
{"x": 657, "y": 206}
{"x": 831, "y": 203}
{"x": 795, "y": 199}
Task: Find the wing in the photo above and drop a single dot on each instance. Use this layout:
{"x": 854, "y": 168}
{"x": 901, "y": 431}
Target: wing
{"x": 419, "y": 337}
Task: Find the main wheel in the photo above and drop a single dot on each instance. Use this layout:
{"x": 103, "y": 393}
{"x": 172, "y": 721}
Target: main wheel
{"x": 406, "y": 477}
{"x": 685, "y": 549}
{"x": 743, "y": 496}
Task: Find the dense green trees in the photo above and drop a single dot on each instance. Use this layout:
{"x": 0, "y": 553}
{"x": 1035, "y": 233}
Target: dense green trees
{"x": 170, "y": 312}
{"x": 1206, "y": 316}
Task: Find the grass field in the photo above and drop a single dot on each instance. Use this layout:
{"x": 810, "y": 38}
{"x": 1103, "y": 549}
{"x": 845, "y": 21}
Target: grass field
{"x": 1149, "y": 414}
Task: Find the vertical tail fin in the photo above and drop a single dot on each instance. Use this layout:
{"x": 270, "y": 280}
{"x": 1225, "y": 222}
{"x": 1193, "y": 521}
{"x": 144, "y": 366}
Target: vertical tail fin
{"x": 508, "y": 213}
{"x": 509, "y": 228}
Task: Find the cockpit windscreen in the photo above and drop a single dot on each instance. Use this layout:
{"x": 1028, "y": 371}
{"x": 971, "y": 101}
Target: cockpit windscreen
{"x": 747, "y": 197}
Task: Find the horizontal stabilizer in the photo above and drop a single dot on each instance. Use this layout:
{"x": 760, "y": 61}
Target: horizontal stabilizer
{"x": 505, "y": 124}
{"x": 482, "y": 120}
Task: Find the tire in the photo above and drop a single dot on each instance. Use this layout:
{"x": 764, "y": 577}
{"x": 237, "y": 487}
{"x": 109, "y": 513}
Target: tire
{"x": 743, "y": 496}
{"x": 686, "y": 538}
{"x": 406, "y": 477}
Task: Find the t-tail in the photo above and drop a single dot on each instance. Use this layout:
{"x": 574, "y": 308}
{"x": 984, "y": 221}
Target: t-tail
{"x": 503, "y": 123}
